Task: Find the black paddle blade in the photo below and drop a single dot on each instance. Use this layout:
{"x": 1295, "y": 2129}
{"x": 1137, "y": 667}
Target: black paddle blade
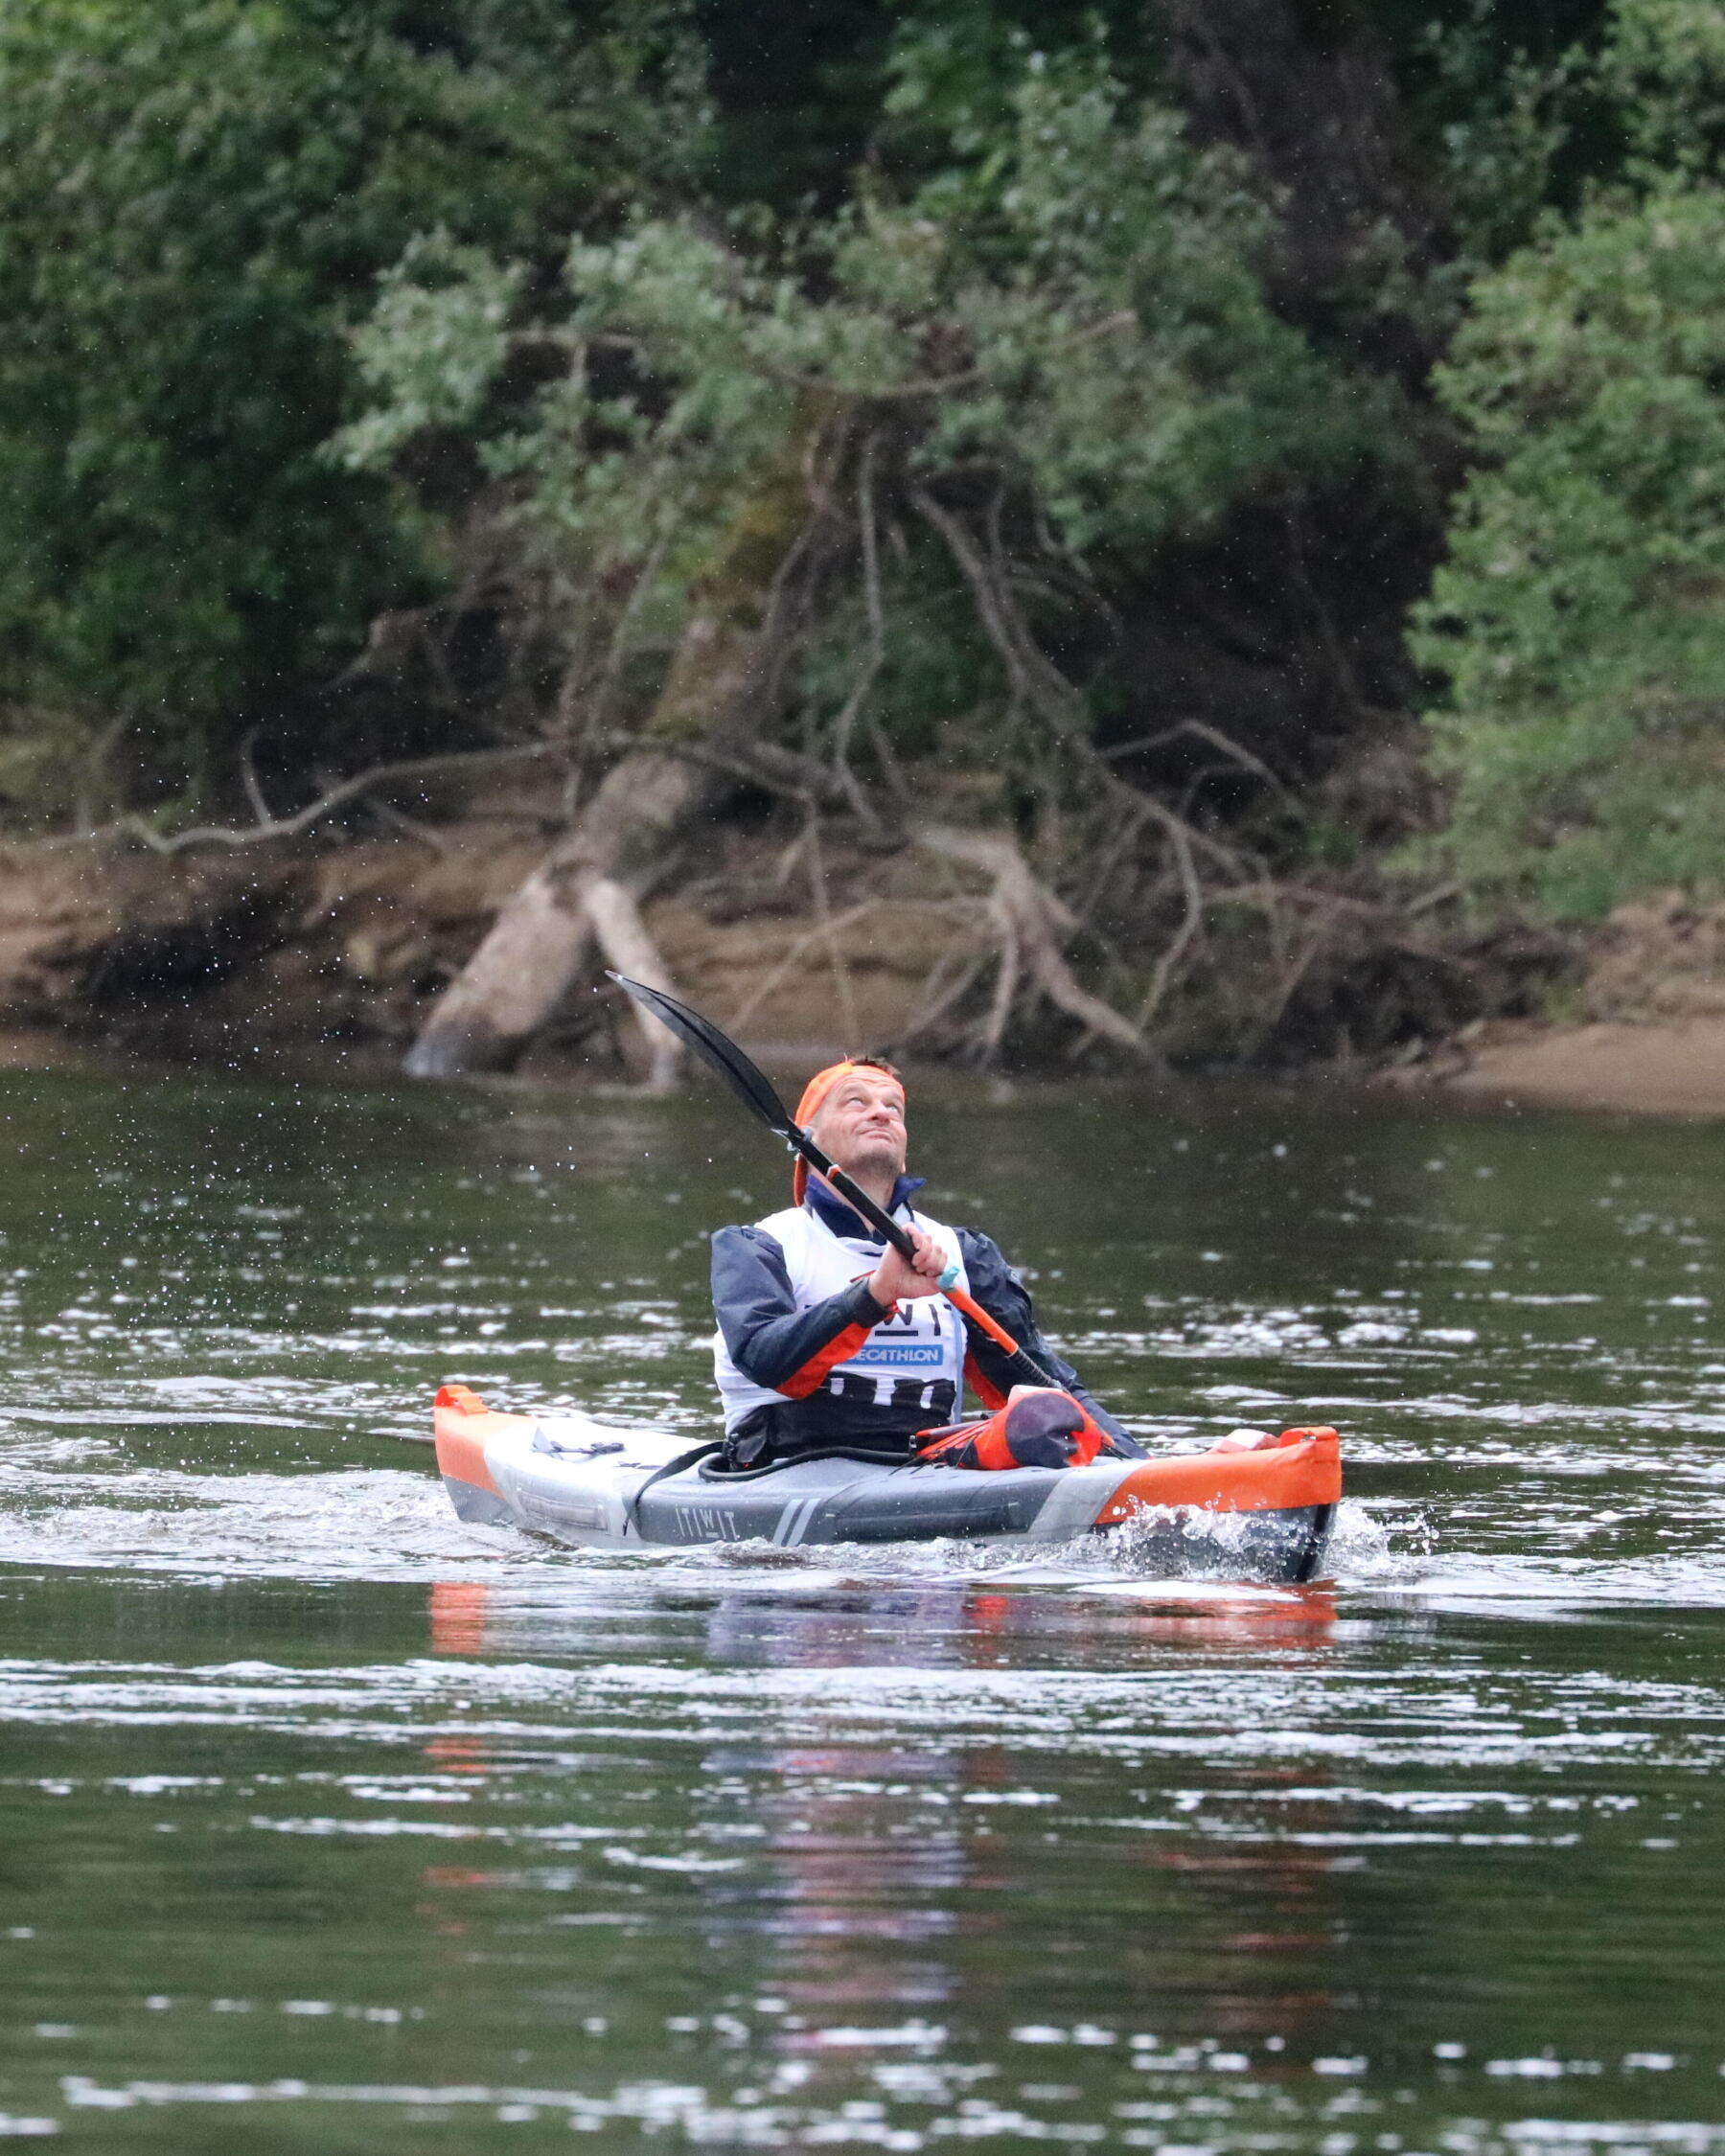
{"x": 750, "y": 1083}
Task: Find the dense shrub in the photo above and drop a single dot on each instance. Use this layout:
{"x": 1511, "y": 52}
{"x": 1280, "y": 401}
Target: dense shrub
{"x": 194, "y": 201}
{"x": 1579, "y": 620}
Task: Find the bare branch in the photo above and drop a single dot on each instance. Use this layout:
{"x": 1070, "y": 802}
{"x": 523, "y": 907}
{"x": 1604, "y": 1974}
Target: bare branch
{"x": 876, "y": 657}
{"x": 778, "y": 769}
{"x": 325, "y": 804}
{"x": 248, "y": 777}
{"x": 1266, "y": 893}
{"x": 1229, "y": 859}
{"x": 409, "y": 827}
{"x": 936, "y": 1002}
{"x": 1190, "y": 927}
{"x": 823, "y": 915}
{"x": 823, "y": 931}
{"x": 1229, "y": 748}
{"x": 1006, "y": 981}
{"x": 938, "y": 385}
{"x": 610, "y": 674}
{"x": 1035, "y": 679}
{"x": 1428, "y": 901}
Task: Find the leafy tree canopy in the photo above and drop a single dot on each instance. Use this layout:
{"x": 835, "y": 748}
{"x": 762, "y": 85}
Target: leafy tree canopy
{"x": 1062, "y": 335}
{"x": 194, "y": 200}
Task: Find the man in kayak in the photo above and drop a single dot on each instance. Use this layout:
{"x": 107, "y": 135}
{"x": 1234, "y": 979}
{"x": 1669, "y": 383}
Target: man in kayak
{"x": 827, "y": 1337}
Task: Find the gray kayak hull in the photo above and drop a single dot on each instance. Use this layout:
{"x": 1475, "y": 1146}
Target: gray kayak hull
{"x": 596, "y": 1485}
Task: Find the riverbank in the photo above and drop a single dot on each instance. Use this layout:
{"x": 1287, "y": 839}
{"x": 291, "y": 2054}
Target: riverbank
{"x": 1673, "y": 1066}
{"x": 1648, "y": 1032}
{"x": 330, "y": 956}
{"x": 294, "y": 946}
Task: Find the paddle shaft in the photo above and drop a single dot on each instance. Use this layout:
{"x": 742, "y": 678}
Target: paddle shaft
{"x": 1025, "y": 1367}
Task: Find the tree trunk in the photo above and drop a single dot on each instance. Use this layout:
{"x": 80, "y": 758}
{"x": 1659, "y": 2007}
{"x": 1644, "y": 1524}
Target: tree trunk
{"x": 540, "y": 942}
{"x": 705, "y": 719}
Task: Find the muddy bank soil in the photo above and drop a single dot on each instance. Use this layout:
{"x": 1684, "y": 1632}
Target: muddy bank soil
{"x": 1646, "y": 1030}
{"x": 211, "y": 955}
{"x": 1670, "y": 1066}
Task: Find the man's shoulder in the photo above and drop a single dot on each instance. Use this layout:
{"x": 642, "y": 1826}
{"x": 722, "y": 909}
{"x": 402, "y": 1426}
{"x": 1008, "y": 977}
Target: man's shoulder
{"x": 983, "y": 1257}
{"x": 776, "y": 1228}
{"x": 742, "y": 1256}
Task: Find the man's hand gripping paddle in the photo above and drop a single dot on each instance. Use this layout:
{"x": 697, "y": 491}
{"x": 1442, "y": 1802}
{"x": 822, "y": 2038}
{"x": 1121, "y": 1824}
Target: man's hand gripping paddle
{"x": 752, "y": 1086}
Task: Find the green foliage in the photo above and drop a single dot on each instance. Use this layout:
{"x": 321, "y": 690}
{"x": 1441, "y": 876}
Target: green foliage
{"x": 1505, "y": 119}
{"x": 1069, "y": 313}
{"x": 1581, "y": 617}
{"x": 1663, "y": 69}
{"x": 195, "y": 200}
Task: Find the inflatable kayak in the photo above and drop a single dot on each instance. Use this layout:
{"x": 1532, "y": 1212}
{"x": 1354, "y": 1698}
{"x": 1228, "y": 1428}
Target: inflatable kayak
{"x": 1252, "y": 1507}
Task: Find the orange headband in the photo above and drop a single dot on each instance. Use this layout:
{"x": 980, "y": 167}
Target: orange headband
{"x": 809, "y": 1107}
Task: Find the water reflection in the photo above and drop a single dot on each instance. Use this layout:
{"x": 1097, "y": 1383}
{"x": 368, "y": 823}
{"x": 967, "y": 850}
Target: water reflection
{"x": 888, "y": 1904}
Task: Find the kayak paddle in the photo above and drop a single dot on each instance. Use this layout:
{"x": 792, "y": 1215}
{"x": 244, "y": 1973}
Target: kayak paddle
{"x": 752, "y": 1086}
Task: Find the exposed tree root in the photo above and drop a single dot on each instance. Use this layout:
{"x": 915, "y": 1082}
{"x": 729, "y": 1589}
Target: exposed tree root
{"x": 1031, "y": 923}
{"x": 1207, "y": 952}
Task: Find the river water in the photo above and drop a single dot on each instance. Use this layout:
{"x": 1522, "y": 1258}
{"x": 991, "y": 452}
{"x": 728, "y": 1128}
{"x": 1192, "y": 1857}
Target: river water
{"x": 331, "y": 1826}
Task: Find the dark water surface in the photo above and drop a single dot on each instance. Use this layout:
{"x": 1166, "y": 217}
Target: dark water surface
{"x": 330, "y": 1826}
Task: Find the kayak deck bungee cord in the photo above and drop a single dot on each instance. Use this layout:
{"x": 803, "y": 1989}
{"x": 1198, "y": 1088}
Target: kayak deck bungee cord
{"x": 1254, "y": 1506}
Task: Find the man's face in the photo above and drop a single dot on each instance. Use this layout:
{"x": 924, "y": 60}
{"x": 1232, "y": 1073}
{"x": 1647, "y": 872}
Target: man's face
{"x": 861, "y": 1124}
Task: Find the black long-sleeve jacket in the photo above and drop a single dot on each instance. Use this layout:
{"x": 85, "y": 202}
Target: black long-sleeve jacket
{"x": 792, "y": 1351}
